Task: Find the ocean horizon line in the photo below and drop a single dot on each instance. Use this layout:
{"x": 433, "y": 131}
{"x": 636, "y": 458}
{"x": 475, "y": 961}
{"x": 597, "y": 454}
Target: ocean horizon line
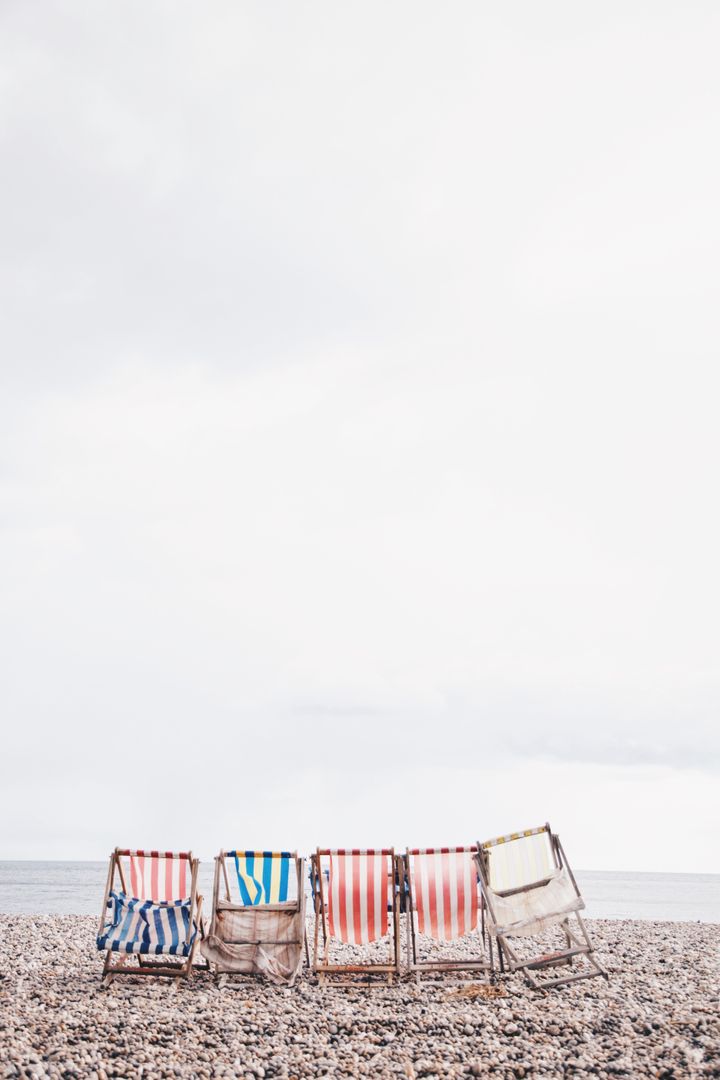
{"x": 579, "y": 870}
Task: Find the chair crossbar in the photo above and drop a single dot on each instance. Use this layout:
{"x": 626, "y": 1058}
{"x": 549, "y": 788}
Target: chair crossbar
{"x": 515, "y": 836}
{"x": 141, "y": 853}
{"x": 356, "y": 851}
{"x": 443, "y": 850}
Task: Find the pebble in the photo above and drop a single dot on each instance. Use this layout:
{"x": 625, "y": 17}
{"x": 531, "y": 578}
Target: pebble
{"x": 657, "y": 1016}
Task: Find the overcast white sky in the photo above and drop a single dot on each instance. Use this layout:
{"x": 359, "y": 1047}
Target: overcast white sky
{"x": 358, "y": 426}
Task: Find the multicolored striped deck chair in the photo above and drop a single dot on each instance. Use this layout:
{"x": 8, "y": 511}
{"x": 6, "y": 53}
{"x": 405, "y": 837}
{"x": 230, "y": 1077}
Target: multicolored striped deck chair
{"x": 530, "y": 890}
{"x": 356, "y": 903}
{"x": 258, "y": 921}
{"x": 151, "y": 910}
{"x": 443, "y": 904}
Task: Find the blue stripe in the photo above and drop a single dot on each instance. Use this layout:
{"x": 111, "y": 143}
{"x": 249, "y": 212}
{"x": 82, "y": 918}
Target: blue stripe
{"x": 120, "y": 938}
{"x": 250, "y": 871}
{"x": 144, "y": 937}
{"x": 160, "y": 933}
{"x": 267, "y": 877}
{"x": 172, "y": 919}
{"x": 244, "y": 894}
{"x": 284, "y": 872}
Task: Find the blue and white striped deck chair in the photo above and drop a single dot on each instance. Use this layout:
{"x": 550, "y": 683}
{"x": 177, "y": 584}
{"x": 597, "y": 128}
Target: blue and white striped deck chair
{"x": 529, "y": 890}
{"x": 151, "y": 910}
{"x": 258, "y": 921}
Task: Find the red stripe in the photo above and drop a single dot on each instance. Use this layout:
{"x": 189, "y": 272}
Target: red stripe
{"x": 432, "y": 896}
{"x": 183, "y": 881}
{"x": 154, "y": 889}
{"x": 386, "y": 871}
{"x": 445, "y": 872}
{"x": 372, "y": 928}
{"x": 134, "y": 884}
{"x": 342, "y": 896}
{"x": 462, "y": 929}
{"x": 169, "y": 881}
{"x": 330, "y": 904}
{"x": 419, "y": 900}
{"x": 357, "y": 918}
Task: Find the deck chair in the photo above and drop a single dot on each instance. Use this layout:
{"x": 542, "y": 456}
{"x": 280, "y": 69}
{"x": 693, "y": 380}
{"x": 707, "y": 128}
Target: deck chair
{"x": 151, "y": 909}
{"x": 529, "y": 888}
{"x": 442, "y": 903}
{"x": 258, "y": 922}
{"x": 356, "y": 903}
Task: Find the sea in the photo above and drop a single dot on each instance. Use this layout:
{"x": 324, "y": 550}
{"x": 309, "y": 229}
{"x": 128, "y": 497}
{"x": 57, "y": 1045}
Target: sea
{"x": 77, "y": 888}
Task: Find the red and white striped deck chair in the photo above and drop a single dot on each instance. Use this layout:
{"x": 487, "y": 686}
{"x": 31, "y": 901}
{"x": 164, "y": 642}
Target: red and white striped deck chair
{"x": 442, "y": 903}
{"x": 356, "y": 904}
{"x": 151, "y": 909}
{"x": 530, "y": 891}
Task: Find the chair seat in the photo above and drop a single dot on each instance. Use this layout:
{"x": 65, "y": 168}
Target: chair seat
{"x": 528, "y": 912}
{"x": 141, "y": 926}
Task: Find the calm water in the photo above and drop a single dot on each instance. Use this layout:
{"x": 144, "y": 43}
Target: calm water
{"x": 78, "y": 887}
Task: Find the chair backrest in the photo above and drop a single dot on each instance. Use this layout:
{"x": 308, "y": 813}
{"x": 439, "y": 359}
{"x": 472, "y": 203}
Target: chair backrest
{"x": 359, "y": 892}
{"x": 519, "y": 859}
{"x": 264, "y": 877}
{"x": 445, "y": 891}
{"x": 158, "y": 875}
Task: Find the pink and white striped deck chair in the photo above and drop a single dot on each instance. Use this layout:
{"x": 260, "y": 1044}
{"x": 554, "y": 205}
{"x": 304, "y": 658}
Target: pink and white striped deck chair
{"x": 356, "y": 904}
{"x": 152, "y": 911}
{"x": 442, "y": 903}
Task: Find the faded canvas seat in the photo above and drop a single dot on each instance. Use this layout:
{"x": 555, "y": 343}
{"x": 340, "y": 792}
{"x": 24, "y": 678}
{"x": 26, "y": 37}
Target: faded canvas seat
{"x": 258, "y": 922}
{"x": 528, "y": 913}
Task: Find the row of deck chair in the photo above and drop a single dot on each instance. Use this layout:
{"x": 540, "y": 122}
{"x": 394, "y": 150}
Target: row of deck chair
{"x": 494, "y": 899}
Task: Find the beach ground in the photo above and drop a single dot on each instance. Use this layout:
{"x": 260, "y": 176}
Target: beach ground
{"x": 658, "y": 1016}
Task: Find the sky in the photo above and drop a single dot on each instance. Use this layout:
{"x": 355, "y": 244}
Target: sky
{"x": 358, "y": 427}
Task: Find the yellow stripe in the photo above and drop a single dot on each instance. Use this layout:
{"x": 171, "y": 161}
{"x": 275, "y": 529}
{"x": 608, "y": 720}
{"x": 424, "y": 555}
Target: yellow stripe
{"x": 252, "y": 888}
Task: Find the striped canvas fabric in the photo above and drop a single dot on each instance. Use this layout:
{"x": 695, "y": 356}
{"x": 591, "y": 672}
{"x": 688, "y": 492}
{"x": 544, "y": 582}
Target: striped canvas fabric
{"x": 445, "y": 891}
{"x": 263, "y": 876}
{"x": 519, "y": 859}
{"x": 140, "y": 926}
{"x": 159, "y": 875}
{"x": 359, "y": 894}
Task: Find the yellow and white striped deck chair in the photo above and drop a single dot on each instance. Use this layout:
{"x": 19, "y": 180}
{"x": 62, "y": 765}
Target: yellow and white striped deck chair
{"x": 528, "y": 889}
{"x": 258, "y": 921}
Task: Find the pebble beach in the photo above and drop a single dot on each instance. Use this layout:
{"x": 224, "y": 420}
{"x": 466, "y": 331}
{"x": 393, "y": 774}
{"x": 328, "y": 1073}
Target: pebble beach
{"x": 658, "y": 1016}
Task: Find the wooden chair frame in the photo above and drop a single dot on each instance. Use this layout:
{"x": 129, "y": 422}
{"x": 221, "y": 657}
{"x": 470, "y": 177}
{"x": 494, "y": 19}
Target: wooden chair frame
{"x": 290, "y": 905}
{"x": 321, "y": 965}
{"x": 577, "y": 938}
{"x": 177, "y": 970}
{"x": 434, "y": 966}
